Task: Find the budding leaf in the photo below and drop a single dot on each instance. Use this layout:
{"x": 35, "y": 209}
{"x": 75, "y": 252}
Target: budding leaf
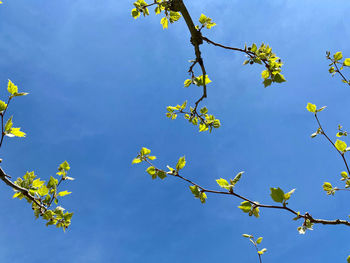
{"x": 347, "y": 62}
{"x": 63, "y": 193}
{"x": 340, "y": 145}
{"x": 145, "y": 151}
{"x": 258, "y": 241}
{"x": 11, "y": 88}
{"x": 180, "y": 163}
{"x": 338, "y": 56}
{"x": 245, "y": 206}
{"x": 311, "y": 107}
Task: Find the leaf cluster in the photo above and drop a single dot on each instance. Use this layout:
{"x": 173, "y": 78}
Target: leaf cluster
{"x": 46, "y": 193}
{"x": 273, "y": 64}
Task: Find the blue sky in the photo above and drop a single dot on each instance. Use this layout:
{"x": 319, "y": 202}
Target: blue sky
{"x": 99, "y": 83}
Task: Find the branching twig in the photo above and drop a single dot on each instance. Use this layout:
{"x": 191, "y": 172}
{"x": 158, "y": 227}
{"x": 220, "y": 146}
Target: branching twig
{"x": 331, "y": 142}
{"x": 305, "y": 216}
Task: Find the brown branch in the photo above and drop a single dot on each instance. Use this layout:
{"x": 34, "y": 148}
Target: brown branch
{"x": 25, "y": 192}
{"x": 305, "y": 216}
{"x": 196, "y": 40}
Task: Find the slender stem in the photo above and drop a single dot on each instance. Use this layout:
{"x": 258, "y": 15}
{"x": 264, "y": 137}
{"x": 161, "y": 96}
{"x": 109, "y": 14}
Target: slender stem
{"x": 2, "y": 121}
{"x": 331, "y": 142}
{"x": 257, "y": 250}
{"x": 341, "y": 74}
{"x": 247, "y": 52}
{"x": 54, "y": 195}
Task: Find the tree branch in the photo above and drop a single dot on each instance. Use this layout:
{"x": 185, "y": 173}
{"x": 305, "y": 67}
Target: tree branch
{"x": 25, "y": 192}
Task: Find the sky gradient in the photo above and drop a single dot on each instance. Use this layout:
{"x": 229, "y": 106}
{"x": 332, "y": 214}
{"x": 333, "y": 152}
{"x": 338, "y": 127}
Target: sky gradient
{"x": 99, "y": 83}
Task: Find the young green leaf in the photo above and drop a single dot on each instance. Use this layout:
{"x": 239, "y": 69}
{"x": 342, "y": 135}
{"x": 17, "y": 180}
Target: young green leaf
{"x": 136, "y": 160}
{"x": 277, "y": 195}
{"x": 164, "y": 22}
{"x": 64, "y": 193}
{"x": 258, "y": 241}
{"x": 245, "y": 206}
{"x": 12, "y": 88}
{"x": 340, "y": 145}
{"x": 223, "y": 184}
{"x": 338, "y": 56}
{"x": 3, "y": 106}
{"x": 311, "y": 107}
{"x": 346, "y": 62}
{"x": 145, "y": 151}
{"x": 180, "y": 163}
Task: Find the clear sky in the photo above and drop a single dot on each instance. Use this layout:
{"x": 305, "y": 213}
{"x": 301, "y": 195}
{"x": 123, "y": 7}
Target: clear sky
{"x": 99, "y": 83}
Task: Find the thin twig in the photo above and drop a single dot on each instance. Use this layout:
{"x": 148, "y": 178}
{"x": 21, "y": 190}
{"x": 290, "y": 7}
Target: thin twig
{"x": 324, "y": 133}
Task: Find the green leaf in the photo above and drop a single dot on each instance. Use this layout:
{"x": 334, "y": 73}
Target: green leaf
{"x": 237, "y": 178}
{"x": 161, "y": 174}
{"x": 164, "y": 22}
{"x": 145, "y": 151}
{"x": 64, "y": 193}
{"x": 327, "y": 186}
{"x": 203, "y": 110}
{"x": 180, "y": 163}
{"x": 256, "y": 211}
{"x": 311, "y": 107}
{"x": 11, "y": 88}
{"x": 37, "y": 183}
{"x": 258, "y": 241}
{"x": 346, "y": 62}
{"x": 344, "y": 174}
{"x": 136, "y": 160}
{"x": 267, "y": 82}
{"x": 245, "y": 206}
{"x": 16, "y": 132}
{"x": 174, "y": 16}
{"x": 338, "y": 56}
{"x": 157, "y": 10}
{"x": 135, "y": 13}
{"x": 277, "y": 195}
{"x": 16, "y": 194}
{"x": 20, "y": 94}
{"x": 262, "y": 251}
{"x": 203, "y": 127}
{"x": 223, "y": 184}
{"x": 202, "y": 19}
{"x": 202, "y": 197}
{"x": 199, "y": 80}
{"x": 8, "y": 125}
{"x": 64, "y": 166}
{"x": 348, "y": 259}
{"x": 340, "y": 145}
{"x": 3, "y": 106}
{"x": 187, "y": 83}
{"x": 151, "y": 171}
{"x": 265, "y": 74}
{"x": 279, "y": 78}
{"x": 247, "y": 236}
{"x": 43, "y": 190}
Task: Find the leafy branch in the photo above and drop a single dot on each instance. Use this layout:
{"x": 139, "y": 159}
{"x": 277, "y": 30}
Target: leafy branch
{"x": 336, "y": 65}
{"x": 256, "y": 243}
{"x": 173, "y": 10}
{"x": 38, "y": 193}
{"x": 247, "y": 206}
